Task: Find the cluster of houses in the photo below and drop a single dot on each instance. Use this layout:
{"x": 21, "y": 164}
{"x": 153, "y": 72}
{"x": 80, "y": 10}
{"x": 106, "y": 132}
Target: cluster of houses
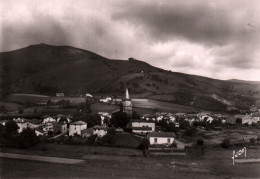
{"x": 58, "y": 125}
{"x": 146, "y": 125}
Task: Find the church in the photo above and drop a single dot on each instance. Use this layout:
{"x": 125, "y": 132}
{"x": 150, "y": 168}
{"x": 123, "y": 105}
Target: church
{"x": 127, "y": 104}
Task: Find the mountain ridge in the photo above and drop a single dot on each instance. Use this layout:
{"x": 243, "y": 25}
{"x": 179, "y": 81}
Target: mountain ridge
{"x": 47, "y": 69}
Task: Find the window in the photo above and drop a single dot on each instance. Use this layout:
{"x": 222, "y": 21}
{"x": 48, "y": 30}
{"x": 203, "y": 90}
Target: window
{"x": 168, "y": 140}
{"x": 155, "y": 140}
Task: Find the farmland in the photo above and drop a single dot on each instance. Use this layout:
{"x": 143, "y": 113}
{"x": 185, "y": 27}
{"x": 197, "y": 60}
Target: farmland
{"x": 161, "y": 106}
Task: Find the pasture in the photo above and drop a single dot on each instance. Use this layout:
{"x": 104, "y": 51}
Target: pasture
{"x": 160, "y": 106}
{"x": 33, "y": 98}
{"x": 103, "y": 107}
{"x": 106, "y": 162}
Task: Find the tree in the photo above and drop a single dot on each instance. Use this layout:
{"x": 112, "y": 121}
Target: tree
{"x": 184, "y": 124}
{"x": 191, "y": 131}
{"x": 144, "y": 145}
{"x": 109, "y": 138}
{"x": 11, "y": 129}
{"x": 2, "y": 128}
{"x": 200, "y": 142}
{"x": 119, "y": 119}
{"x": 20, "y": 110}
{"x": 3, "y": 109}
{"x": 239, "y": 120}
{"x": 49, "y": 102}
{"x": 226, "y": 143}
{"x": 28, "y": 138}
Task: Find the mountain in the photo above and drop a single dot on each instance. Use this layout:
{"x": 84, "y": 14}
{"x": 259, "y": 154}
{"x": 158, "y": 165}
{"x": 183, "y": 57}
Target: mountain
{"x": 46, "y": 69}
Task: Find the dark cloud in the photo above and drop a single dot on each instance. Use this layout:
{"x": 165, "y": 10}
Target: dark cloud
{"x": 199, "y": 23}
{"x": 48, "y": 30}
{"x": 199, "y": 37}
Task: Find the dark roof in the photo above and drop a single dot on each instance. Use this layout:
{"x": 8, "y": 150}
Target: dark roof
{"x": 89, "y": 130}
{"x": 78, "y": 123}
{"x": 161, "y": 134}
{"x": 142, "y": 128}
{"x": 100, "y": 127}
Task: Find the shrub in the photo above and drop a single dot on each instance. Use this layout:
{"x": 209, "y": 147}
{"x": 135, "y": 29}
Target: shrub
{"x": 200, "y": 142}
{"x": 226, "y": 143}
{"x": 191, "y": 131}
{"x": 252, "y": 141}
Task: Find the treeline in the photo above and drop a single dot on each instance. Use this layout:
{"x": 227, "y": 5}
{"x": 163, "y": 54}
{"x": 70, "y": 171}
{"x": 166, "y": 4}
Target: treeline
{"x": 10, "y": 137}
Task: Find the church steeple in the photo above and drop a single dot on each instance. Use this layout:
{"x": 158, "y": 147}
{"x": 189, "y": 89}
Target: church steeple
{"x": 127, "y": 103}
{"x": 127, "y": 94}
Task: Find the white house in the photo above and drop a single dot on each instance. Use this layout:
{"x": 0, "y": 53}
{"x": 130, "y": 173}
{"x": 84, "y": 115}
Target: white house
{"x": 48, "y": 119}
{"x": 64, "y": 128}
{"x": 140, "y": 123}
{"x": 60, "y": 94}
{"x": 22, "y": 126}
{"x": 89, "y": 95}
{"x": 166, "y": 138}
{"x": 139, "y": 126}
{"x": 100, "y": 131}
{"x": 39, "y": 132}
{"x": 106, "y": 100}
{"x": 76, "y": 127}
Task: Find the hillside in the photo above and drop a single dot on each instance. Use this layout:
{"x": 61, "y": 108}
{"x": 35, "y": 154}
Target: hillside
{"x": 46, "y": 69}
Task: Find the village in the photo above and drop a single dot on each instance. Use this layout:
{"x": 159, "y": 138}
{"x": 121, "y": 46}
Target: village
{"x": 162, "y": 129}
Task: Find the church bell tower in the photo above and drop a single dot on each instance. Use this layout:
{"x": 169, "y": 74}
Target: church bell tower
{"x": 127, "y": 104}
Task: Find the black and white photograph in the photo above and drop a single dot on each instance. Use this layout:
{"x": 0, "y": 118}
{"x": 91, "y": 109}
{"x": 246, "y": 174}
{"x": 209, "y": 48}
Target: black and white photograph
{"x": 129, "y": 89}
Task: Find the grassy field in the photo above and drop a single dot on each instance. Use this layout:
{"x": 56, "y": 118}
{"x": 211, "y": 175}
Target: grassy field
{"x": 33, "y": 98}
{"x": 103, "y": 107}
{"x": 21, "y": 98}
{"x": 161, "y": 106}
{"x": 236, "y": 136}
{"x": 103, "y": 162}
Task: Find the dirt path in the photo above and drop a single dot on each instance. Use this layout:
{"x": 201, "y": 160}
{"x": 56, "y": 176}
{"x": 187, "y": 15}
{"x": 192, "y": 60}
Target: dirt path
{"x": 41, "y": 158}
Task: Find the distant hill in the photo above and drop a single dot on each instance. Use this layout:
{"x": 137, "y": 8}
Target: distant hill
{"x": 46, "y": 69}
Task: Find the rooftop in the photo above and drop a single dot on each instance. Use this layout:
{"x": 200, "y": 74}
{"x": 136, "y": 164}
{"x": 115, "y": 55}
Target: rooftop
{"x": 78, "y": 123}
{"x": 142, "y": 128}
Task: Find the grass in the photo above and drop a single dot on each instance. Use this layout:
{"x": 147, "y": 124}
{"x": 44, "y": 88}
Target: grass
{"x": 103, "y": 107}
{"x": 162, "y": 106}
{"x": 127, "y": 140}
{"x": 118, "y": 163}
{"x": 72, "y": 151}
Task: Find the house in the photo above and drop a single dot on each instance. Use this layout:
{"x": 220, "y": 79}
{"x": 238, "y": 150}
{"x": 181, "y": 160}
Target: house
{"x": 39, "y": 132}
{"x": 100, "y": 131}
{"x": 87, "y": 132}
{"x": 106, "y": 100}
{"x": 48, "y": 127}
{"x": 48, "y": 119}
{"x": 63, "y": 127}
{"x": 89, "y": 95}
{"x": 103, "y": 116}
{"x": 22, "y": 125}
{"x": 166, "y": 138}
{"x": 141, "y": 130}
{"x": 3, "y": 122}
{"x": 34, "y": 123}
{"x": 60, "y": 94}
{"x": 76, "y": 127}
{"x": 140, "y": 126}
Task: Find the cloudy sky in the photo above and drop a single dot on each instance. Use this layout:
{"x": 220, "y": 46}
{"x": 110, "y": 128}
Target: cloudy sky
{"x": 218, "y": 39}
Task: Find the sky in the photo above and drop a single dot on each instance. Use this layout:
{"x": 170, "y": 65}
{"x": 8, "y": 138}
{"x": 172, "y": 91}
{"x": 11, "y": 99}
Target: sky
{"x": 218, "y": 39}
